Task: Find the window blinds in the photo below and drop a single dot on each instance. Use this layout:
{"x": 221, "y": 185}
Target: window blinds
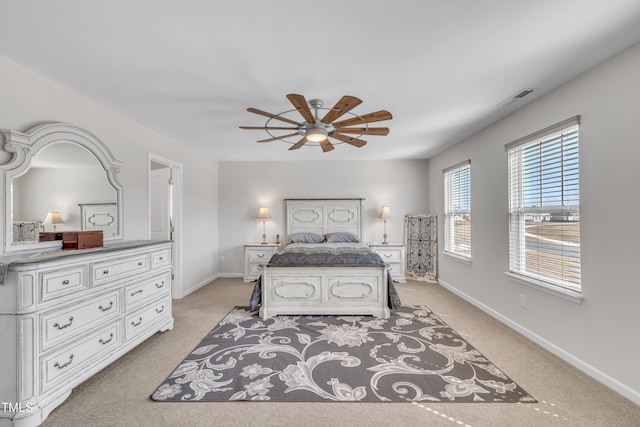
{"x": 544, "y": 205}
{"x": 457, "y": 224}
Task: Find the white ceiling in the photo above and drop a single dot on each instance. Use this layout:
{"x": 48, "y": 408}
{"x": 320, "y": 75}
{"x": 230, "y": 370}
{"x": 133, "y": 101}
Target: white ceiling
{"x": 190, "y": 68}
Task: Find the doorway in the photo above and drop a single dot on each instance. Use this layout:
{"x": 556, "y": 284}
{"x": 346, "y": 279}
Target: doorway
{"x": 165, "y": 211}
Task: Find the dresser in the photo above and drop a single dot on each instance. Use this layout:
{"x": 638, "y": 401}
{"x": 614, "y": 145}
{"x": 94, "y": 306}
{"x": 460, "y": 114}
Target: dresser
{"x": 393, "y": 254}
{"x": 256, "y": 255}
{"x": 65, "y": 315}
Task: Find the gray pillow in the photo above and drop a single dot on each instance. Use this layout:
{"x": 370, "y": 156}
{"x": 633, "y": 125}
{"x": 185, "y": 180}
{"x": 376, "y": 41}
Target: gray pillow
{"x": 306, "y": 237}
{"x": 341, "y": 237}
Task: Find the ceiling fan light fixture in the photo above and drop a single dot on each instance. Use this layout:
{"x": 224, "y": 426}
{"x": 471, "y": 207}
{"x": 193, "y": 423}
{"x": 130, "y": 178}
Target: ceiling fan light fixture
{"x": 317, "y": 134}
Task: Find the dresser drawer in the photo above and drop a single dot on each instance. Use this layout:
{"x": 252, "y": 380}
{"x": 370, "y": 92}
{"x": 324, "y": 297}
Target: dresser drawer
{"x": 58, "y": 367}
{"x": 140, "y": 320}
{"x": 161, "y": 258}
{"x": 69, "y": 322}
{"x": 147, "y": 289}
{"x": 103, "y": 272}
{"x": 57, "y": 283}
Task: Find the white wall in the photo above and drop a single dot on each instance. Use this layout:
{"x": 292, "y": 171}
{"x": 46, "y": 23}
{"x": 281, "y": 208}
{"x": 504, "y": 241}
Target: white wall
{"x": 600, "y": 335}
{"x": 28, "y": 99}
{"x": 245, "y": 186}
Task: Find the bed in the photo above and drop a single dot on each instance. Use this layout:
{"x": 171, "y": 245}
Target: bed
{"x": 337, "y": 276}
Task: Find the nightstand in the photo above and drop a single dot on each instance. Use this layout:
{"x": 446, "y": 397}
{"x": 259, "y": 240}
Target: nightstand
{"x": 393, "y": 254}
{"x": 256, "y": 255}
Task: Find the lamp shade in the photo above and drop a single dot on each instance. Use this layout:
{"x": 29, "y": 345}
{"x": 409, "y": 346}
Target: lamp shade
{"x": 53, "y": 218}
{"x": 385, "y": 212}
{"x": 263, "y": 213}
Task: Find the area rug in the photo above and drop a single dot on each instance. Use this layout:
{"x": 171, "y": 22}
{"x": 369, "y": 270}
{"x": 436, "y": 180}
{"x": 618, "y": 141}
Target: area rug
{"x": 412, "y": 356}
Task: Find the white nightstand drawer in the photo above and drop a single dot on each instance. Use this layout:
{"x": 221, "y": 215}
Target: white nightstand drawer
{"x": 260, "y": 255}
{"x": 390, "y": 255}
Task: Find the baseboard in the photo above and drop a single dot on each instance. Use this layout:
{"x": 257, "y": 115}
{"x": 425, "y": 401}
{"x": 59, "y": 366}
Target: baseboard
{"x": 209, "y": 280}
{"x": 198, "y": 285}
{"x": 612, "y": 383}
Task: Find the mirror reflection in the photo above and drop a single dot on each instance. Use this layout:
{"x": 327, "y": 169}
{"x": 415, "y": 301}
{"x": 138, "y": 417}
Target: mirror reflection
{"x": 63, "y": 182}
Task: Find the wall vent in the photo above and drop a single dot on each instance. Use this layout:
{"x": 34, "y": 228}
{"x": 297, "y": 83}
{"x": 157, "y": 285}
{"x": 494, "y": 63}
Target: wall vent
{"x": 515, "y": 97}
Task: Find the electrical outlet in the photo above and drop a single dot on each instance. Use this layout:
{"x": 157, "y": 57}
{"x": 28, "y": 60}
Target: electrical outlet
{"x": 523, "y": 301}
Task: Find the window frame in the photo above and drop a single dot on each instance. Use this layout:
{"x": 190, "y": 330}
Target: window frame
{"x": 566, "y": 136}
{"x": 462, "y": 190}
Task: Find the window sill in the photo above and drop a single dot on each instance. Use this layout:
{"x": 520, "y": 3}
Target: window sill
{"x": 457, "y": 257}
{"x": 567, "y": 294}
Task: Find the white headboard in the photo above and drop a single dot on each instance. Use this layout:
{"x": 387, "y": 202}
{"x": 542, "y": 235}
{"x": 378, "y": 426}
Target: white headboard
{"x": 324, "y": 216}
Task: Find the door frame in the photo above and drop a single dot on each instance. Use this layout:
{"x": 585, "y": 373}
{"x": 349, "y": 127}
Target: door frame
{"x": 176, "y": 252}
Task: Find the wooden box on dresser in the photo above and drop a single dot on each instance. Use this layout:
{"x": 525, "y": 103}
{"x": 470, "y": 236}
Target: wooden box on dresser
{"x": 65, "y": 315}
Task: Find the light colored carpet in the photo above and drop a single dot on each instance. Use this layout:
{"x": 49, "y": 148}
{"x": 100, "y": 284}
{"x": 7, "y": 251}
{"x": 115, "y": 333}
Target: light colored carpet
{"x": 119, "y": 395}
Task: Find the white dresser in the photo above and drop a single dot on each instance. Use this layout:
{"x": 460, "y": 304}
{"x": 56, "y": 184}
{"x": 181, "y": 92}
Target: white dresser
{"x": 65, "y": 315}
{"x": 393, "y": 254}
{"x": 256, "y": 255}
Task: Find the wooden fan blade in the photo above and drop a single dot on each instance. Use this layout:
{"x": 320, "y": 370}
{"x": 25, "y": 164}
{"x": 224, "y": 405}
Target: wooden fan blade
{"x": 326, "y": 146}
{"x": 302, "y": 106}
{"x": 278, "y": 137}
{"x": 367, "y": 118}
{"x": 343, "y": 106}
{"x": 349, "y": 140}
{"x": 273, "y": 116}
{"x": 364, "y": 131}
{"x": 298, "y": 144}
{"x": 263, "y": 128}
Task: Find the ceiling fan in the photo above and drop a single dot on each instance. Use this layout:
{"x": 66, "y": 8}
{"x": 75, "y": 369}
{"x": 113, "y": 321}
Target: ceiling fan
{"x": 318, "y": 130}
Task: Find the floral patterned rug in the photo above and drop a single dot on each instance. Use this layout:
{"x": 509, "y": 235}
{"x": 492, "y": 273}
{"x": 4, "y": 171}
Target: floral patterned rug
{"x": 412, "y": 356}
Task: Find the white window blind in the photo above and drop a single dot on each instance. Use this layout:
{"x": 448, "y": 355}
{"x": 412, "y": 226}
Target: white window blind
{"x": 544, "y": 206}
{"x": 457, "y": 210}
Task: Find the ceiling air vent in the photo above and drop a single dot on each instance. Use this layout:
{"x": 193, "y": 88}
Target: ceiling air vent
{"x": 516, "y": 97}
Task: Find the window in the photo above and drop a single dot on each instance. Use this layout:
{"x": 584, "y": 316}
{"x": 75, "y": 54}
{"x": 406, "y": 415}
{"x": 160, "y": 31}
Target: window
{"x": 544, "y": 207}
{"x": 457, "y": 210}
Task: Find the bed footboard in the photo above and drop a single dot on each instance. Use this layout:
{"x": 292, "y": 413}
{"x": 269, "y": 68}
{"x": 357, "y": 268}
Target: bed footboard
{"x": 336, "y": 290}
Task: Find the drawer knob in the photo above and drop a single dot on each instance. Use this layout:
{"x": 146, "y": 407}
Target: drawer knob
{"x": 140, "y": 263}
{"x": 103, "y": 342}
{"x": 64, "y": 365}
{"x": 160, "y": 310}
{"x": 65, "y": 282}
{"x": 101, "y": 308}
{"x": 260, "y": 255}
{"x": 105, "y": 271}
{"x": 387, "y": 255}
{"x": 139, "y": 291}
{"x": 134, "y": 324}
{"x": 161, "y": 258}
{"x": 160, "y": 285}
{"x": 60, "y": 327}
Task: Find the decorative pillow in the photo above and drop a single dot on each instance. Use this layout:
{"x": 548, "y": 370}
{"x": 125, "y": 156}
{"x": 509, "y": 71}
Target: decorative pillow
{"x": 341, "y": 237}
{"x": 306, "y": 237}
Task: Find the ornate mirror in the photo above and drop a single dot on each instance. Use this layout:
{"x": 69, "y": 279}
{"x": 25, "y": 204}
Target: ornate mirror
{"x": 57, "y": 177}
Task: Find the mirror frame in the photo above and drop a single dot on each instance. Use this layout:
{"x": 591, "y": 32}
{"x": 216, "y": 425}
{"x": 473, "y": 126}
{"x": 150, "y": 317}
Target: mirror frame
{"x": 23, "y": 146}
